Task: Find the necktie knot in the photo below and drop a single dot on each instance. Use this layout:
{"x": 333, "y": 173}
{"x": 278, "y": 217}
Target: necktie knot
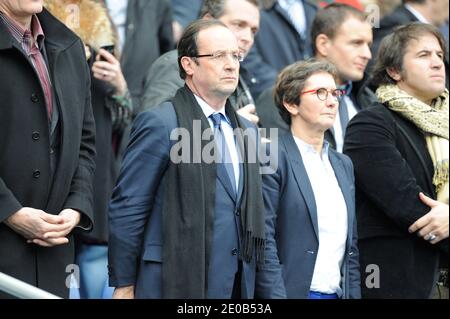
{"x": 216, "y": 119}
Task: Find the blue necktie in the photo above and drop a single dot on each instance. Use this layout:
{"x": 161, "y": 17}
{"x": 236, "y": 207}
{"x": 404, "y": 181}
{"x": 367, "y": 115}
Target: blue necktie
{"x": 343, "y": 114}
{"x": 224, "y": 152}
{"x": 343, "y": 108}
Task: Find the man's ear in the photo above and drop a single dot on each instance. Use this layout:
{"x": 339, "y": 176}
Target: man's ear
{"x": 394, "y": 74}
{"x": 291, "y": 107}
{"x": 186, "y": 63}
{"x": 323, "y": 43}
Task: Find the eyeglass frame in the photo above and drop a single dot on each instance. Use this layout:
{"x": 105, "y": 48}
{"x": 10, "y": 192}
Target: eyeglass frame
{"x": 216, "y": 55}
{"x": 327, "y": 90}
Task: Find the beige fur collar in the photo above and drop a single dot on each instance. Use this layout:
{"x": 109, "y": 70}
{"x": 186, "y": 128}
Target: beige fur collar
{"x": 87, "y": 18}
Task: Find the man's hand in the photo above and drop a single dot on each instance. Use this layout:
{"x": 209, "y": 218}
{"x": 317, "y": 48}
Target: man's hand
{"x": 435, "y": 222}
{"x": 124, "y": 292}
{"x": 70, "y": 218}
{"x": 249, "y": 112}
{"x": 35, "y": 224}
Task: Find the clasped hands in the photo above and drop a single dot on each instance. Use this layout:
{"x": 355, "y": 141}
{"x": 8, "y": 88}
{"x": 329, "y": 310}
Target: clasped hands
{"x": 44, "y": 229}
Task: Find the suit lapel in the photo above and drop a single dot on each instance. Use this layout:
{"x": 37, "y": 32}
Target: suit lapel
{"x": 345, "y": 186}
{"x": 301, "y": 177}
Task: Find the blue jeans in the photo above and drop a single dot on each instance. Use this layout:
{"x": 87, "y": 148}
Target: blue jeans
{"x": 319, "y": 295}
{"x": 93, "y": 262}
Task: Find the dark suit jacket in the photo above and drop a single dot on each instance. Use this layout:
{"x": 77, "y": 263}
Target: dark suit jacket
{"x": 392, "y": 165}
{"x": 277, "y": 45}
{"x": 135, "y": 245}
{"x": 292, "y": 226}
{"x": 26, "y": 177}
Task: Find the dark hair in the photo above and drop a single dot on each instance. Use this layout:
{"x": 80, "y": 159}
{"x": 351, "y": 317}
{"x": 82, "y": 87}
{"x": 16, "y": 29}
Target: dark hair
{"x": 329, "y": 19}
{"x": 187, "y": 46}
{"x": 393, "y": 48}
{"x": 413, "y": 1}
{"x": 292, "y": 79}
{"x": 216, "y": 8}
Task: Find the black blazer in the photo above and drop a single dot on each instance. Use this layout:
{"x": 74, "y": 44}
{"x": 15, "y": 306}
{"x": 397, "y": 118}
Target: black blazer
{"x": 26, "y": 179}
{"x": 392, "y": 165}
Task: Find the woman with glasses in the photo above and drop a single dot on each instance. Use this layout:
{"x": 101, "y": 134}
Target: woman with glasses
{"x": 309, "y": 196}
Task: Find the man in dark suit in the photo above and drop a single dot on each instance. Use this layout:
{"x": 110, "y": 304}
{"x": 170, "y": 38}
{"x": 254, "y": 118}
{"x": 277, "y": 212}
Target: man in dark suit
{"x": 342, "y": 36}
{"x": 163, "y": 78}
{"x": 184, "y": 224}
{"x": 47, "y": 145}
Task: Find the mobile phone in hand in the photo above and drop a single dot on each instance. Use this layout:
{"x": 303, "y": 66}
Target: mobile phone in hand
{"x": 109, "y": 48}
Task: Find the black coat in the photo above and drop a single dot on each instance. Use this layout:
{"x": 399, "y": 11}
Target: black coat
{"x": 392, "y": 165}
{"x": 26, "y": 179}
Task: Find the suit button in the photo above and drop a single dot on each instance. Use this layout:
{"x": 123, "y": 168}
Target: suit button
{"x": 350, "y": 253}
{"x": 234, "y": 251}
{"x": 312, "y": 252}
{"x": 34, "y": 98}
{"x": 52, "y": 151}
{"x": 35, "y": 136}
{"x": 37, "y": 173}
{"x": 237, "y": 212}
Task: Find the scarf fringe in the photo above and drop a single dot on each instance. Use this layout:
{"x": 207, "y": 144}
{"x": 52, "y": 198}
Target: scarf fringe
{"x": 440, "y": 175}
{"x": 259, "y": 244}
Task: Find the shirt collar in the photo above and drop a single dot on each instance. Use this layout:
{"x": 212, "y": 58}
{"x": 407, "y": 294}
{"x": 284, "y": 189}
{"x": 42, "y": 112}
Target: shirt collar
{"x": 308, "y": 148}
{"x": 20, "y": 33}
{"x": 208, "y": 110}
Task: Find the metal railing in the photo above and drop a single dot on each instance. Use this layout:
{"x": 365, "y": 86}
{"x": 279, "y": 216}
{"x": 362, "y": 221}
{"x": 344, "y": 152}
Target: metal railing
{"x": 22, "y": 290}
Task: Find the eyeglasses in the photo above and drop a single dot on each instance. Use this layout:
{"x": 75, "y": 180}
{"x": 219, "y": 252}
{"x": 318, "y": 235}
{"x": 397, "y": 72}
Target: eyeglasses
{"x": 322, "y": 93}
{"x": 236, "y": 56}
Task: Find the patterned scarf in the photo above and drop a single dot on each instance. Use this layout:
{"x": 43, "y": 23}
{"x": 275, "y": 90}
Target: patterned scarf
{"x": 432, "y": 121}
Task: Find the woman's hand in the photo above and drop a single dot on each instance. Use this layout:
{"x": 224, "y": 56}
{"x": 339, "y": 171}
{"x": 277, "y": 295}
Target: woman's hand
{"x": 109, "y": 71}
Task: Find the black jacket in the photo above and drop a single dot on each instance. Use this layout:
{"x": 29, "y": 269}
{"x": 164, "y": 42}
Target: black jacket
{"x": 26, "y": 178}
{"x": 392, "y": 165}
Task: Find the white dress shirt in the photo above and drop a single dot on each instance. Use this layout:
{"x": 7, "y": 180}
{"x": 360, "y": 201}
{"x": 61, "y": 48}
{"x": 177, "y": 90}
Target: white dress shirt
{"x": 227, "y": 130}
{"x": 331, "y": 217}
